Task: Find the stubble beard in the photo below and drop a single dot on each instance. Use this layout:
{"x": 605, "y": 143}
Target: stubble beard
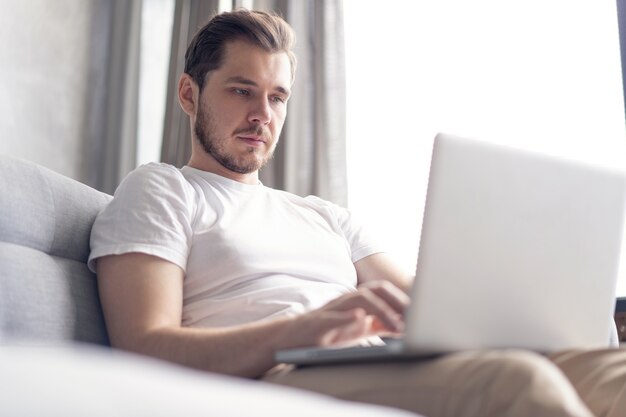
{"x": 204, "y": 129}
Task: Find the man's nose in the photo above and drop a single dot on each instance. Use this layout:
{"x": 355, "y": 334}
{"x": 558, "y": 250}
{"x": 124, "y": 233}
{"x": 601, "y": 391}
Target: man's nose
{"x": 261, "y": 112}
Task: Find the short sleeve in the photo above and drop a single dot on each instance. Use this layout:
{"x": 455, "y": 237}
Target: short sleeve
{"x": 151, "y": 212}
{"x": 360, "y": 241}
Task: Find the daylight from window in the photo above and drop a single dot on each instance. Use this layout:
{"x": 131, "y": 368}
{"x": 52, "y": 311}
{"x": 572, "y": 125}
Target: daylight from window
{"x": 156, "y": 36}
{"x": 539, "y": 75}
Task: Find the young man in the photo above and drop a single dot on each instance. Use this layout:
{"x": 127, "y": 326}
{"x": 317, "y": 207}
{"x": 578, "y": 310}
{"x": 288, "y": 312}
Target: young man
{"x": 206, "y": 267}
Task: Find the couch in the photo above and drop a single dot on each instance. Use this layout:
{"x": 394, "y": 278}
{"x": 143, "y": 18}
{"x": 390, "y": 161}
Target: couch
{"x": 55, "y": 358}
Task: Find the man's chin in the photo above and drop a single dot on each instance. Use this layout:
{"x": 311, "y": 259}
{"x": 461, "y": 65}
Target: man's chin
{"x": 247, "y": 163}
{"x": 242, "y": 168}
{"x": 251, "y": 165}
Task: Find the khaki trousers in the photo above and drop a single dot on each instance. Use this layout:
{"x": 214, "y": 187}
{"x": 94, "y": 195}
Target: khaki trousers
{"x": 479, "y": 384}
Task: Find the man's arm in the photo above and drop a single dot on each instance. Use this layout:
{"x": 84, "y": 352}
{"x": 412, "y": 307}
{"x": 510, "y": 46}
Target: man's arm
{"x": 380, "y": 267}
{"x": 142, "y": 298}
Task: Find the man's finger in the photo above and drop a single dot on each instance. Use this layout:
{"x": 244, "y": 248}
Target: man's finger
{"x": 394, "y": 296}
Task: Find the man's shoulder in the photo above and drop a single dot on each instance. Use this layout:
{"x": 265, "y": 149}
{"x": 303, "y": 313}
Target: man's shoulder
{"x": 323, "y": 204}
{"x": 156, "y": 174}
{"x": 156, "y": 169}
{"x": 154, "y": 180}
{"x": 297, "y": 199}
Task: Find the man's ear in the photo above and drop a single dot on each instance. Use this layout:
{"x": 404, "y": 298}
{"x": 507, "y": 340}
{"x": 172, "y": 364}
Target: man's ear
{"x": 188, "y": 94}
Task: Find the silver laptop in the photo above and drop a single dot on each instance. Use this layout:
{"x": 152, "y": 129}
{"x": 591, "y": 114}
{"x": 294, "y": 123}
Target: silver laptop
{"x": 518, "y": 250}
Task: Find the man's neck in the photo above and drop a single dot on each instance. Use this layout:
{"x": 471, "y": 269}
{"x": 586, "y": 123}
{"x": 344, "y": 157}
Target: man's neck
{"x": 211, "y": 165}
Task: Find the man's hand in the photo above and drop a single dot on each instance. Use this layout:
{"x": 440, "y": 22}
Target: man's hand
{"x": 376, "y": 308}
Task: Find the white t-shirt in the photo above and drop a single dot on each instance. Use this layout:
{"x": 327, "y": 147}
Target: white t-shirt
{"x": 249, "y": 252}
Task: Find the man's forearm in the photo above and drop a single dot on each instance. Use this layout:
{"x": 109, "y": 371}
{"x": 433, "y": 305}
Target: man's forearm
{"x": 246, "y": 350}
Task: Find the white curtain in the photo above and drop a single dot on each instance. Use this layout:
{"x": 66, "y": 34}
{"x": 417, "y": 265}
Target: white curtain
{"x": 112, "y": 104}
{"x": 311, "y": 158}
{"x": 189, "y": 16}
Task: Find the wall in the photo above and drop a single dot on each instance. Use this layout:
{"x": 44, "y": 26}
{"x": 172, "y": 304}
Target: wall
{"x": 44, "y": 61}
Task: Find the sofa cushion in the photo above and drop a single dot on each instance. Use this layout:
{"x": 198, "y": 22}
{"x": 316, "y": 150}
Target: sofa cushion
{"x": 95, "y": 382}
{"x": 46, "y": 290}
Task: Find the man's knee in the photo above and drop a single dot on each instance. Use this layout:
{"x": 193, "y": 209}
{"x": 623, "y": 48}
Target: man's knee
{"x": 516, "y": 382}
{"x": 521, "y": 367}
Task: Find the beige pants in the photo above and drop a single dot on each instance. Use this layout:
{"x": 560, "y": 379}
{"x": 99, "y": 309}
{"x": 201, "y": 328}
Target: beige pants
{"x": 481, "y": 384}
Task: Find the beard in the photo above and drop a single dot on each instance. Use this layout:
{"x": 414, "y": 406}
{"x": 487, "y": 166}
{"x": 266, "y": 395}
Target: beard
{"x": 250, "y": 161}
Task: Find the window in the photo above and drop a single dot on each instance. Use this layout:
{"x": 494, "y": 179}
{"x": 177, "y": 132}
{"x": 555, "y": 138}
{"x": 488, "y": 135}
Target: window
{"x": 157, "y": 17}
{"x": 535, "y": 74}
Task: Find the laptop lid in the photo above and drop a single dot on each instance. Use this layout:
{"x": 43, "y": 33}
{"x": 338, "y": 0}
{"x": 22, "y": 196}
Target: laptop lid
{"x": 518, "y": 249}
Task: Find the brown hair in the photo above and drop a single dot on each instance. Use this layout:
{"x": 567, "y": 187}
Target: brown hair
{"x": 206, "y": 50}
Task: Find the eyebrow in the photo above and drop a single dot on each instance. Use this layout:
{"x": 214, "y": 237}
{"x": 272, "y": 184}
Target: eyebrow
{"x": 246, "y": 81}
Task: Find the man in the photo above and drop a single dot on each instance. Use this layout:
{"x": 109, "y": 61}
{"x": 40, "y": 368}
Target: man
{"x": 206, "y": 267}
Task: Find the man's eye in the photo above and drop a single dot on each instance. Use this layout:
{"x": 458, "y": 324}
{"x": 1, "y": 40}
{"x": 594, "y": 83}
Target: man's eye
{"x": 278, "y": 99}
{"x": 241, "y": 91}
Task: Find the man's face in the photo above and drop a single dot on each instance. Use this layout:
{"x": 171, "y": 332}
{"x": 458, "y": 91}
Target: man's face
{"x": 242, "y": 107}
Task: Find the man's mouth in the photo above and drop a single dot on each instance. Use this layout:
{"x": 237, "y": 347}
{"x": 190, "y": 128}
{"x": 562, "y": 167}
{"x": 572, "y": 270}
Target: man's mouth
{"x": 253, "y": 140}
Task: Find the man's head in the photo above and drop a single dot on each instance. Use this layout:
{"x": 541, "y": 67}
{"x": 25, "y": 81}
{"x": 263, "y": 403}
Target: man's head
{"x": 268, "y": 32}
{"x": 238, "y": 72}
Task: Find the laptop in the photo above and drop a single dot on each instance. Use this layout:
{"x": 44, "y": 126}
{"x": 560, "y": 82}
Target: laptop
{"x": 518, "y": 250}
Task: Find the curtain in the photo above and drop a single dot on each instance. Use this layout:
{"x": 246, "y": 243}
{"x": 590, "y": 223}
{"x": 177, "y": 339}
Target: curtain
{"x": 312, "y": 155}
{"x": 112, "y": 105}
{"x": 189, "y": 16}
{"x": 311, "y": 158}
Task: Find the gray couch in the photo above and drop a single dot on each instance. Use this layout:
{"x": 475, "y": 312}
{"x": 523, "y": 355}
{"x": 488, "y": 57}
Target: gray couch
{"x": 49, "y": 297}
{"x": 46, "y": 291}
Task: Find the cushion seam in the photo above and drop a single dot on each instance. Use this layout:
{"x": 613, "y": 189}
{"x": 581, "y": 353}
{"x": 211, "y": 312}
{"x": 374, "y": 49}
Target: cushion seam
{"x": 54, "y": 209}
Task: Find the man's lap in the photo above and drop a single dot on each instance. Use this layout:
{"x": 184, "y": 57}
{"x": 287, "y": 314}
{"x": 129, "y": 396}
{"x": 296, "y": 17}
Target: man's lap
{"x": 499, "y": 382}
{"x": 599, "y": 377}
